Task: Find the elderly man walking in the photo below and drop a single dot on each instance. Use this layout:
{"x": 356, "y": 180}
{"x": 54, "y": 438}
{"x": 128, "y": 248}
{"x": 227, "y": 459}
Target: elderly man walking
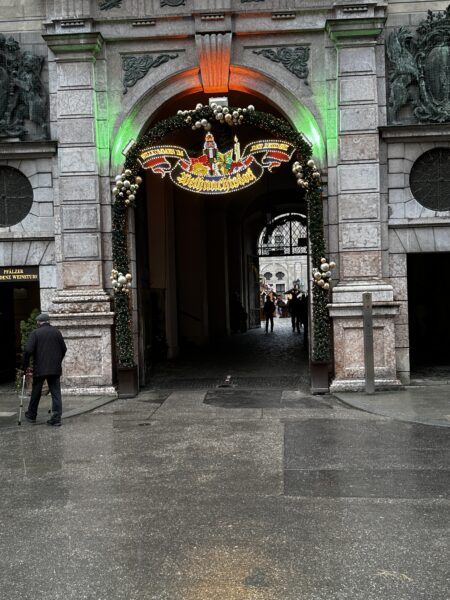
{"x": 47, "y": 347}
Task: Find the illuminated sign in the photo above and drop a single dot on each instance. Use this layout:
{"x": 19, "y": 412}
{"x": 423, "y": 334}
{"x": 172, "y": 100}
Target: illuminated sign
{"x": 215, "y": 172}
{"x": 8, "y": 274}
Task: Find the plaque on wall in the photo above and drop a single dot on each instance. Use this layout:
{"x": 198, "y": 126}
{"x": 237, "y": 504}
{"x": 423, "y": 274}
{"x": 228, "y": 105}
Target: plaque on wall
{"x": 15, "y": 274}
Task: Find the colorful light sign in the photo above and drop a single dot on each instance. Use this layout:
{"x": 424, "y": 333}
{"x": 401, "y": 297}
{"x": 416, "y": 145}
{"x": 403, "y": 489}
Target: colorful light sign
{"x": 215, "y": 172}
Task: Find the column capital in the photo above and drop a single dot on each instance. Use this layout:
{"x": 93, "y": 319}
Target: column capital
{"x": 353, "y": 31}
{"x": 77, "y": 45}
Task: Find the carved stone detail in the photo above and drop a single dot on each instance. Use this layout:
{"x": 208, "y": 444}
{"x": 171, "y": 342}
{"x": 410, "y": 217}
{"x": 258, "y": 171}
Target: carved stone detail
{"x": 108, "y": 4}
{"x": 23, "y": 97}
{"x": 295, "y": 59}
{"x": 418, "y": 70}
{"x": 136, "y": 67}
{"x": 214, "y": 55}
{"x": 172, "y": 3}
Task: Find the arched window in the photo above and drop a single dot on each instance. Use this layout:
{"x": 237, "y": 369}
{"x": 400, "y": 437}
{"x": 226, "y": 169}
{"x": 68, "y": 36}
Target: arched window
{"x": 429, "y": 179}
{"x": 286, "y": 235}
{"x": 16, "y": 196}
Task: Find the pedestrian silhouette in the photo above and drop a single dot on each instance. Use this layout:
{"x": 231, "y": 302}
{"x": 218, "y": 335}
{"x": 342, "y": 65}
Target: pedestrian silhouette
{"x": 294, "y": 310}
{"x": 46, "y": 345}
{"x": 269, "y": 309}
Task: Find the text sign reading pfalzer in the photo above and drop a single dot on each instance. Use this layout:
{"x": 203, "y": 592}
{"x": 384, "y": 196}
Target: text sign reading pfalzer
{"x": 215, "y": 172}
{"x": 8, "y": 274}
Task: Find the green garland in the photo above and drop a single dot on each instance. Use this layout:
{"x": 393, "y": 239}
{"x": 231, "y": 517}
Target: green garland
{"x": 307, "y": 177}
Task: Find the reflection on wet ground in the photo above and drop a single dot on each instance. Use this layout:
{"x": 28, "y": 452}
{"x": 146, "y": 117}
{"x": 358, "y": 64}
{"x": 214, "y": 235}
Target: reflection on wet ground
{"x": 225, "y": 494}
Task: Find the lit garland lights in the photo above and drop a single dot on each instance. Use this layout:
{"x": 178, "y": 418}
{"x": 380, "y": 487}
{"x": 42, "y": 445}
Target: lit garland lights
{"x": 308, "y": 179}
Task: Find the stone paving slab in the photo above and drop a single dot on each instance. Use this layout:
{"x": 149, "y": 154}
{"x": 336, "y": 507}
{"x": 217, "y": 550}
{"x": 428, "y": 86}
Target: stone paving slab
{"x": 193, "y": 508}
{"x": 429, "y": 405}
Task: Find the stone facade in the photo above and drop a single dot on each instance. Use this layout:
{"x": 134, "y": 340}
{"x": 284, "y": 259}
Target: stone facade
{"x": 109, "y": 68}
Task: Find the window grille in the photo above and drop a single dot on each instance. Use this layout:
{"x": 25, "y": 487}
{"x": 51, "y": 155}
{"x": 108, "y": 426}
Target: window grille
{"x": 286, "y": 235}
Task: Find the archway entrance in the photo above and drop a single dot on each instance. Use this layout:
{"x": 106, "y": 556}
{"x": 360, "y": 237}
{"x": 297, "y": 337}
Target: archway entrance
{"x": 285, "y": 270}
{"x": 193, "y": 251}
{"x": 209, "y": 254}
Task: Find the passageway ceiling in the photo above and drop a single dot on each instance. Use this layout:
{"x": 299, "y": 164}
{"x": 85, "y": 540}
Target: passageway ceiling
{"x": 275, "y": 193}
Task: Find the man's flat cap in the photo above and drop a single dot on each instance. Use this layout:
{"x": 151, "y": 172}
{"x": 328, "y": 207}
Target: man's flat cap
{"x": 43, "y": 318}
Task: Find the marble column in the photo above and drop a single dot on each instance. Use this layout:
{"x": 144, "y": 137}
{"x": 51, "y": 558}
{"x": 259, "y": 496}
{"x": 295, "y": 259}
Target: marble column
{"x": 81, "y": 307}
{"x": 360, "y": 214}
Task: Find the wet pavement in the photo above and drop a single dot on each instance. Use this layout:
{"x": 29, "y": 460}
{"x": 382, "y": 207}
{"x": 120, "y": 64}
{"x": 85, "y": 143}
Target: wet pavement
{"x": 226, "y": 493}
{"x": 72, "y": 406}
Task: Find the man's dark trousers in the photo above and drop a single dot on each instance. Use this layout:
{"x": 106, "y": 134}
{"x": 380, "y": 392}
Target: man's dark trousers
{"x": 54, "y": 385}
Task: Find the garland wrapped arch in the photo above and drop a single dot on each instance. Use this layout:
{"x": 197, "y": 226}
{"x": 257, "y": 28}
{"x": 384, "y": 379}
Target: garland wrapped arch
{"x": 127, "y": 184}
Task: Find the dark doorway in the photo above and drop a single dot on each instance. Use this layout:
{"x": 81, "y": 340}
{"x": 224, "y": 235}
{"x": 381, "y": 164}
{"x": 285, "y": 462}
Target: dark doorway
{"x": 17, "y": 300}
{"x": 429, "y": 325}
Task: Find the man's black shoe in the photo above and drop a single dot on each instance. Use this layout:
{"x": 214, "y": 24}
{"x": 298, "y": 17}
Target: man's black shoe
{"x": 28, "y": 417}
{"x": 54, "y": 422}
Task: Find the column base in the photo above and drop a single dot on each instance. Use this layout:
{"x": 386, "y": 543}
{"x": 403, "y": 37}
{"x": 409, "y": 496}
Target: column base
{"x": 349, "y": 356}
{"x": 85, "y": 320}
{"x": 89, "y": 391}
{"x": 359, "y": 385}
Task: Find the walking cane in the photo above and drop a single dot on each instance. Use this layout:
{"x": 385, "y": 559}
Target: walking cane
{"x": 21, "y": 401}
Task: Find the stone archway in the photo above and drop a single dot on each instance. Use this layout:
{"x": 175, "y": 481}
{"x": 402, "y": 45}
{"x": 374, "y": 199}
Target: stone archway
{"x": 139, "y": 111}
{"x": 308, "y": 178}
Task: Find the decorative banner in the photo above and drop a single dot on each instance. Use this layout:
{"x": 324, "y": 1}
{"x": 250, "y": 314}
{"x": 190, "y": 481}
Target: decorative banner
{"x": 214, "y": 172}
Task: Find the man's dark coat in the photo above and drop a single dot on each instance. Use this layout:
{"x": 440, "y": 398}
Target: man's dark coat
{"x": 47, "y": 346}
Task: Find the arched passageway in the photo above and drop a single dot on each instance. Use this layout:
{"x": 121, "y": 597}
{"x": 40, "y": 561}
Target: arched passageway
{"x": 194, "y": 255}
{"x": 254, "y": 359}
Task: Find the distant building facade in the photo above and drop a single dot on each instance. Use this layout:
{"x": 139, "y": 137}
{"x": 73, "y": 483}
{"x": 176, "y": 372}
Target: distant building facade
{"x": 368, "y": 85}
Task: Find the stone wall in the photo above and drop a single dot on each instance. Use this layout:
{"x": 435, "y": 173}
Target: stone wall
{"x": 111, "y": 66}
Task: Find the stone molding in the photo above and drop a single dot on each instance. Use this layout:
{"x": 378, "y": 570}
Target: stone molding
{"x": 34, "y": 150}
{"x": 82, "y": 319}
{"x": 350, "y": 32}
{"x": 415, "y": 133}
{"x": 79, "y": 302}
{"x": 354, "y": 309}
{"x": 86, "y": 42}
{"x": 351, "y": 293}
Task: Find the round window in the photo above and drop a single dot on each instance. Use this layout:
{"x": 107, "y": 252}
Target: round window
{"x": 16, "y": 196}
{"x": 430, "y": 179}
